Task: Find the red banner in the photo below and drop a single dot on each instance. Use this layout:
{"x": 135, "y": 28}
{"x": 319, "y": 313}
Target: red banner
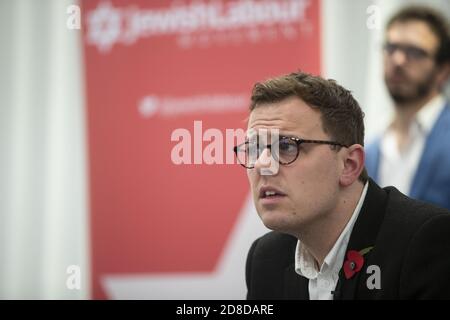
{"x": 153, "y": 67}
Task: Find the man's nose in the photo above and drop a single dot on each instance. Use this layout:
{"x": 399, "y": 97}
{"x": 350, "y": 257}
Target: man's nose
{"x": 263, "y": 160}
{"x": 398, "y": 57}
{"x": 265, "y": 164}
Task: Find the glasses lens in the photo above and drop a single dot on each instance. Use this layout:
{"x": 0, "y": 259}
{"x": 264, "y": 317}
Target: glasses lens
{"x": 415, "y": 53}
{"x": 246, "y": 153}
{"x": 390, "y": 48}
{"x": 286, "y": 150}
{"x": 411, "y": 52}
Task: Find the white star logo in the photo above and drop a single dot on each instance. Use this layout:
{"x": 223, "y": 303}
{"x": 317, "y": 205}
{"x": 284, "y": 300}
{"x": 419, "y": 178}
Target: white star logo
{"x": 104, "y": 26}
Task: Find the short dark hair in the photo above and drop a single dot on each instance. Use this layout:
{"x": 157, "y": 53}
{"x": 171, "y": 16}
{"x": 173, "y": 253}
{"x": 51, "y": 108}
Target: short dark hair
{"x": 436, "y": 22}
{"x": 342, "y": 117}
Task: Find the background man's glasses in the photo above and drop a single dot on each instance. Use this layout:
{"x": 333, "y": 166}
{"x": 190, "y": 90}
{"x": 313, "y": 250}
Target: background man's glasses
{"x": 285, "y": 150}
{"x": 410, "y": 52}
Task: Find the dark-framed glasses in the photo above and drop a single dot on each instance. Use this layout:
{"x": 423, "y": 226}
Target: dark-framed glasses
{"x": 411, "y": 52}
{"x": 285, "y": 150}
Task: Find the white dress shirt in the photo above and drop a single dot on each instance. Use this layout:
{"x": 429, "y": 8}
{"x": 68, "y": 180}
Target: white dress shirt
{"x": 323, "y": 281}
{"x": 398, "y": 167}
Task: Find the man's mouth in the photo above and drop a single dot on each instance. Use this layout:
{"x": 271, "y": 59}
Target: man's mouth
{"x": 397, "y": 78}
{"x": 269, "y": 195}
{"x": 398, "y": 75}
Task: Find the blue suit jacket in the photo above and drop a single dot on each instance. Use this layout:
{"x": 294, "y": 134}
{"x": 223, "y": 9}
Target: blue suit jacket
{"x": 431, "y": 182}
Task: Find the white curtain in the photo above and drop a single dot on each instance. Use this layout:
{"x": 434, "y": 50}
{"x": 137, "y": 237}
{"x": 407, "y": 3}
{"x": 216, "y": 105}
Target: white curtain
{"x": 43, "y": 198}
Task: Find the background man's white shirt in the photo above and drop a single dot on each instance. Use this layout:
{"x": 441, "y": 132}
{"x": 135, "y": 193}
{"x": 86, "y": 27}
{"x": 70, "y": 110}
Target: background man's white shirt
{"x": 398, "y": 167}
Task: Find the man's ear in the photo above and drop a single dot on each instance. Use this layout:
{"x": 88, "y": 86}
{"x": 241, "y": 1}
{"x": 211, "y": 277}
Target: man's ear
{"x": 353, "y": 165}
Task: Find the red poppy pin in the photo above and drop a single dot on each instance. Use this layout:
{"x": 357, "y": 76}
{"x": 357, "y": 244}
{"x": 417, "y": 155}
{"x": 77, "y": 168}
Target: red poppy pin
{"x": 354, "y": 262}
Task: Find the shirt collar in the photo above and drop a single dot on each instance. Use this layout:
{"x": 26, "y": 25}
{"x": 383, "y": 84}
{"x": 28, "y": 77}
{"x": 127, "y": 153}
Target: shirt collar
{"x": 305, "y": 264}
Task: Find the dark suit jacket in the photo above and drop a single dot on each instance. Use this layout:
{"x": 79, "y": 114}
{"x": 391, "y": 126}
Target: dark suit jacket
{"x": 411, "y": 243}
{"x": 431, "y": 182}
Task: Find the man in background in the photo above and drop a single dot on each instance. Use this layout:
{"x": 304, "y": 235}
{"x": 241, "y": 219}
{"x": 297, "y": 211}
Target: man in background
{"x": 413, "y": 154}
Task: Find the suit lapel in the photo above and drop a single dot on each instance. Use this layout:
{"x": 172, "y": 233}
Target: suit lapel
{"x": 363, "y": 235}
{"x": 431, "y": 155}
{"x": 295, "y": 286}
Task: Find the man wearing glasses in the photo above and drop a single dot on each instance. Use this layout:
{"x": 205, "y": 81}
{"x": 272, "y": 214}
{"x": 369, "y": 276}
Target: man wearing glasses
{"x": 413, "y": 154}
{"x": 337, "y": 234}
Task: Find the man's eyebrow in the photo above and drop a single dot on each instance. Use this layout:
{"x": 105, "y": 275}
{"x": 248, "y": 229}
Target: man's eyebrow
{"x": 280, "y": 135}
{"x": 287, "y": 135}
